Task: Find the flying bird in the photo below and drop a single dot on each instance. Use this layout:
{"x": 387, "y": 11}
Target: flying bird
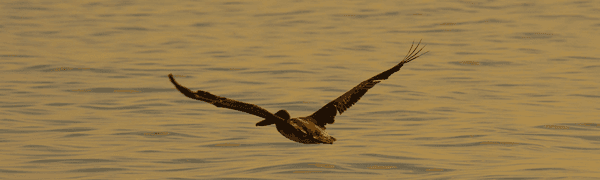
{"x": 309, "y": 129}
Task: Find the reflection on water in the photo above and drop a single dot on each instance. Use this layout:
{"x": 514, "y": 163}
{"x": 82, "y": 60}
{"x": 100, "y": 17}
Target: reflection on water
{"x": 509, "y": 89}
{"x": 382, "y": 167}
{"x": 435, "y": 170}
{"x": 227, "y": 144}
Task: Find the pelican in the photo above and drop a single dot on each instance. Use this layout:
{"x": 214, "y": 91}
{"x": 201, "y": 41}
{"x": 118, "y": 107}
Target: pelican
{"x": 309, "y": 129}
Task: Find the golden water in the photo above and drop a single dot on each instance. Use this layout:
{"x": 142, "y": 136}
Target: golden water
{"x": 505, "y": 91}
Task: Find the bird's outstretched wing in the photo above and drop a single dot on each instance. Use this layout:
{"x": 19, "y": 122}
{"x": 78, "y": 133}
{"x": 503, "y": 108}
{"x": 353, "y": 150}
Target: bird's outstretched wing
{"x": 223, "y": 102}
{"x": 327, "y": 113}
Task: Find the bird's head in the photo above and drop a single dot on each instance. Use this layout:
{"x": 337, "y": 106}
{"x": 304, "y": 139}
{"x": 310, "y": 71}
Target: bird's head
{"x": 283, "y": 114}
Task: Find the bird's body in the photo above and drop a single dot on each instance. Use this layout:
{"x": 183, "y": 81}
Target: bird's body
{"x": 309, "y": 129}
{"x": 304, "y": 130}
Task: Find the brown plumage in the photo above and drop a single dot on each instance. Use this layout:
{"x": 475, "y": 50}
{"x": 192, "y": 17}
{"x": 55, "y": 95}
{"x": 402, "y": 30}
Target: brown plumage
{"x": 310, "y": 129}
